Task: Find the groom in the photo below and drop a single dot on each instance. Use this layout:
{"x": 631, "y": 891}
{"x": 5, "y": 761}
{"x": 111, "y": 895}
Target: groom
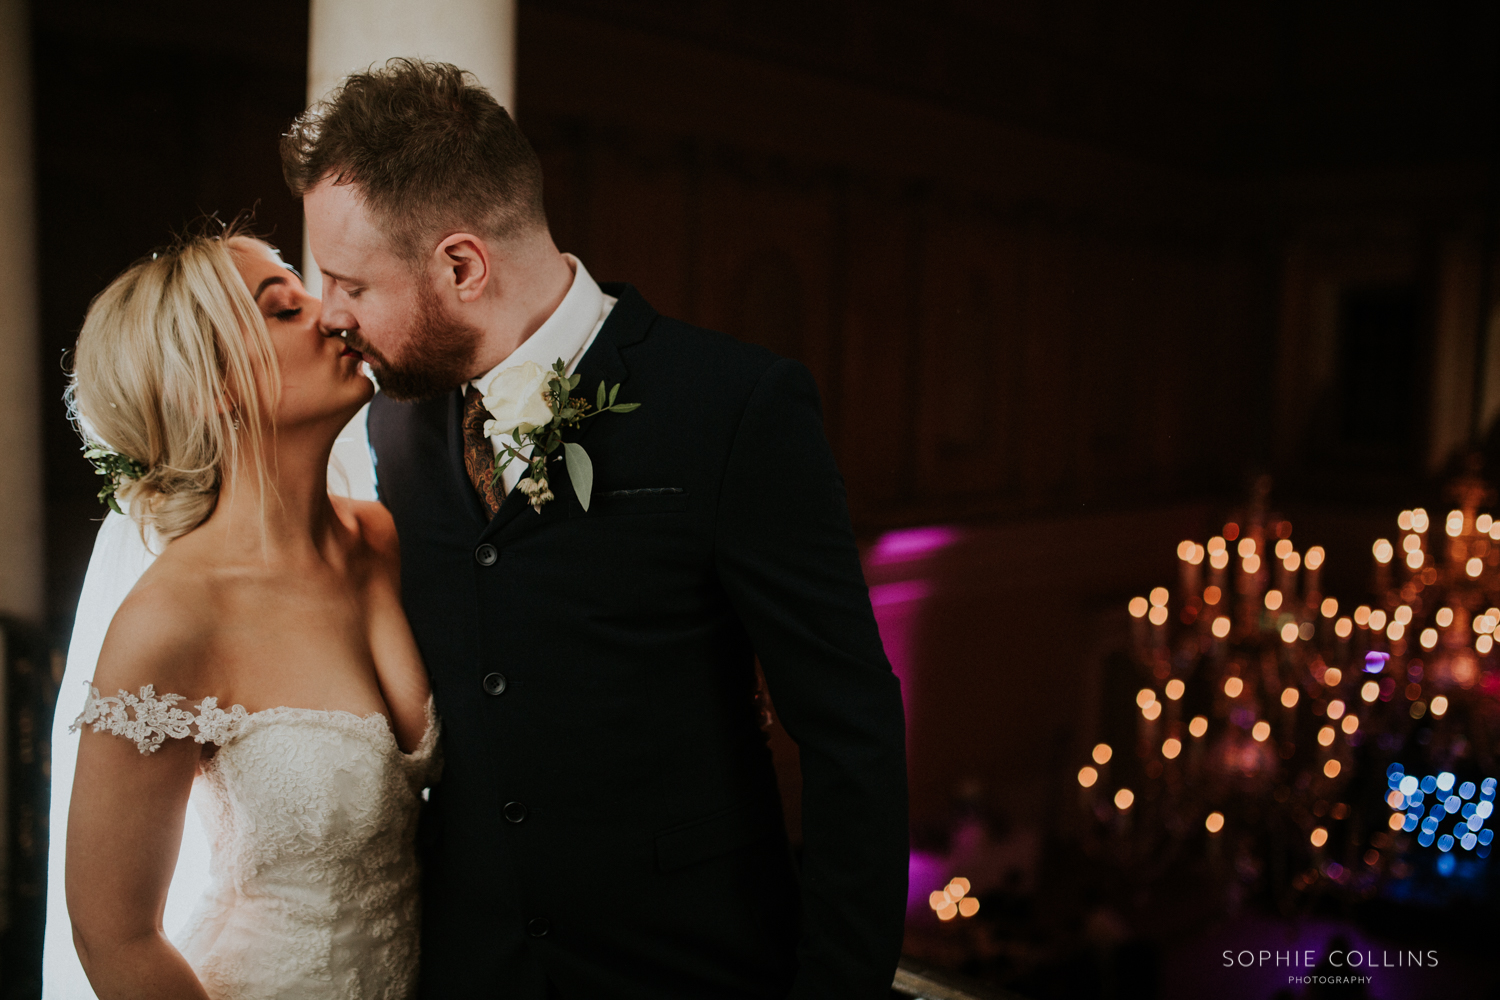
{"x": 608, "y": 823}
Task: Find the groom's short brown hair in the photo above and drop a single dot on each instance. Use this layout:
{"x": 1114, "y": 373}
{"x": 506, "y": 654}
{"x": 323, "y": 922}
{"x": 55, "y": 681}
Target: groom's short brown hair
{"x": 429, "y": 149}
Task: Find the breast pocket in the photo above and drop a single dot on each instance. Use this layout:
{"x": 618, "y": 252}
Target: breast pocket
{"x": 648, "y": 500}
{"x": 712, "y": 836}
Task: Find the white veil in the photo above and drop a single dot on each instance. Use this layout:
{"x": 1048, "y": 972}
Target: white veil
{"x": 120, "y": 557}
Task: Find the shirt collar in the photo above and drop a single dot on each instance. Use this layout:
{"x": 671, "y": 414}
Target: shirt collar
{"x": 566, "y": 331}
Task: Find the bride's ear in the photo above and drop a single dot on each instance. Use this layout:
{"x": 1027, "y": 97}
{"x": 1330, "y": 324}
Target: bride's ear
{"x": 465, "y": 263}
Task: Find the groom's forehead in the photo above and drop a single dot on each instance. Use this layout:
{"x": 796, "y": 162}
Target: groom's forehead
{"x": 340, "y": 225}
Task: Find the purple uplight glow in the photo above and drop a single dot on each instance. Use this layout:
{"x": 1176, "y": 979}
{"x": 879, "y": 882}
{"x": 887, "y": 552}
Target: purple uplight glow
{"x": 925, "y": 874}
{"x": 911, "y": 543}
{"x": 1375, "y": 661}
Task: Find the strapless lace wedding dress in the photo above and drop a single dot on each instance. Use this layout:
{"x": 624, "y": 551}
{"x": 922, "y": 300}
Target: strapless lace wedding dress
{"x": 312, "y": 818}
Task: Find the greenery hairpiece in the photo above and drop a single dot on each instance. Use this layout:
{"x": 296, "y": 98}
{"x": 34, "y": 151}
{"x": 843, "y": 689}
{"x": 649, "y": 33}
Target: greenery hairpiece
{"x": 116, "y": 467}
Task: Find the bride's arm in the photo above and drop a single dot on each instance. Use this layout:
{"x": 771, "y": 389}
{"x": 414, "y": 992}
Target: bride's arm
{"x": 126, "y": 816}
{"x": 124, "y": 829}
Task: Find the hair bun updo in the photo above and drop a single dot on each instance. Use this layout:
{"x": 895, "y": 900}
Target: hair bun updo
{"x": 174, "y": 370}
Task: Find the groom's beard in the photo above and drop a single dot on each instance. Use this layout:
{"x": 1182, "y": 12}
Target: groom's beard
{"x": 438, "y": 355}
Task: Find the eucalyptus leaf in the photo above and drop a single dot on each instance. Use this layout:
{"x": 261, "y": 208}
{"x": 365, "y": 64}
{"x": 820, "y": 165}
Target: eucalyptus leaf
{"x": 613, "y": 393}
{"x": 599, "y": 403}
{"x": 624, "y": 407}
{"x": 580, "y": 471}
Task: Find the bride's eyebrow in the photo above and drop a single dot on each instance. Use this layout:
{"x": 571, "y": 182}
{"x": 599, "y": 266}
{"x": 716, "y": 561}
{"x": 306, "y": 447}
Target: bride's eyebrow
{"x": 274, "y": 279}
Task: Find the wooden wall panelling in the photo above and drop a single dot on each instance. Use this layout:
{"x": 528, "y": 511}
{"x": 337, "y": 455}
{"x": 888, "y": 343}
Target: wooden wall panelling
{"x": 1048, "y": 459}
{"x": 624, "y": 203}
{"x": 767, "y": 243}
{"x": 881, "y": 353}
{"x": 972, "y": 392}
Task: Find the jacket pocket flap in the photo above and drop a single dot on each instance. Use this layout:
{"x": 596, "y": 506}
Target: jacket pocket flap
{"x": 606, "y": 503}
{"x": 719, "y": 833}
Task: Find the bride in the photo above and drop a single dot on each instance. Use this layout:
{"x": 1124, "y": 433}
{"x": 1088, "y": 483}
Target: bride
{"x": 263, "y": 655}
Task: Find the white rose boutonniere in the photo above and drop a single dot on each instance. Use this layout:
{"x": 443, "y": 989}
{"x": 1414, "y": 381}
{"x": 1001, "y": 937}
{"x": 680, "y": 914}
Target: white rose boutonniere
{"x": 532, "y": 405}
{"x": 517, "y": 397}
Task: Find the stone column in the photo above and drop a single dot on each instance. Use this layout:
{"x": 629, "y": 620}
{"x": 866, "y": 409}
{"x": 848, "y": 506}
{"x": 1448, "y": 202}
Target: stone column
{"x": 349, "y": 35}
{"x": 21, "y": 570}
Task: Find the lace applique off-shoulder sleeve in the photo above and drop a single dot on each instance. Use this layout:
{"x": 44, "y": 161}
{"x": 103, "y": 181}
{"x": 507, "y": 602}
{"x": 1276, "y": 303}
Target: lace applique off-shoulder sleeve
{"x": 150, "y": 719}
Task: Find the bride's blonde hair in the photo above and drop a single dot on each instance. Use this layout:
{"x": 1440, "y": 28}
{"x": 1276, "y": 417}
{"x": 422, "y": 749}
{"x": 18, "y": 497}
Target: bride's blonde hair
{"x": 176, "y": 371}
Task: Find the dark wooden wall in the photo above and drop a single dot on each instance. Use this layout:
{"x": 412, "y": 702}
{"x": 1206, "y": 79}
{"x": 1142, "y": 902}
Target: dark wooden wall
{"x": 1000, "y": 323}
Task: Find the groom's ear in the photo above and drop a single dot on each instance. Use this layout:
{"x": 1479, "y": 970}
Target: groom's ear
{"x": 465, "y": 264}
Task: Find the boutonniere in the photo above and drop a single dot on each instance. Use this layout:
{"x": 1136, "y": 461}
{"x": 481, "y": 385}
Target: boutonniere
{"x": 531, "y": 405}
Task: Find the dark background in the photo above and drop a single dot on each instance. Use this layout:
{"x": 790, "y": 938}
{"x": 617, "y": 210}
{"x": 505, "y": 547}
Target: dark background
{"x": 1068, "y": 272}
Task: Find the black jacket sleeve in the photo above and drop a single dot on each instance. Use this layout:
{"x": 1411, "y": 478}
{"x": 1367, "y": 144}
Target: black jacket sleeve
{"x": 785, "y": 554}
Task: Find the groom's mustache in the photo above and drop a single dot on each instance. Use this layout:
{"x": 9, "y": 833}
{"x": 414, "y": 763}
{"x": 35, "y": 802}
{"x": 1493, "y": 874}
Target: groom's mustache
{"x": 372, "y": 355}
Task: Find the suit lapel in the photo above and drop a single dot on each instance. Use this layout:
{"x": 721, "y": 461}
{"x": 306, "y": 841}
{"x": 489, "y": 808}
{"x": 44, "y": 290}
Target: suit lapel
{"x": 627, "y": 324}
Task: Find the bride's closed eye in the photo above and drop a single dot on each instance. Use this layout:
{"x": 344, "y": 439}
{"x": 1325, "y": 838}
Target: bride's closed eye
{"x": 287, "y": 315}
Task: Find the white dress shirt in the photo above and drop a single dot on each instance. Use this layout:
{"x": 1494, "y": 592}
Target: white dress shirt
{"x": 568, "y": 333}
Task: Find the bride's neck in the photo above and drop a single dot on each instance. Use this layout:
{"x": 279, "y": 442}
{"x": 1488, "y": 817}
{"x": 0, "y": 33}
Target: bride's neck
{"x": 283, "y": 514}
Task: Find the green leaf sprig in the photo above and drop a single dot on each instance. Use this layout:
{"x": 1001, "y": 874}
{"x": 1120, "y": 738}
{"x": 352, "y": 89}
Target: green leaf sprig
{"x": 116, "y": 467}
{"x": 567, "y": 411}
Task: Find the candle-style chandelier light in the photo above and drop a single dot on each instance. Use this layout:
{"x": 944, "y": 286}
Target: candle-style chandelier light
{"x": 1348, "y": 748}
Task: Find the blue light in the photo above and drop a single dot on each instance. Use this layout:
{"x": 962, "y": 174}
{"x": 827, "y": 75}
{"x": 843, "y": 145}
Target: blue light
{"x": 1445, "y": 780}
{"x": 1484, "y": 851}
{"x": 1430, "y": 825}
{"x": 1414, "y": 800}
{"x": 1375, "y": 662}
{"x": 1429, "y": 784}
{"x": 1485, "y": 836}
{"x": 1410, "y": 823}
{"x": 1484, "y": 809}
{"x": 1466, "y": 790}
{"x": 1452, "y": 803}
{"x": 1424, "y": 838}
{"x": 1445, "y": 865}
{"x": 1469, "y": 841}
{"x": 1468, "y": 810}
{"x": 1445, "y": 842}
{"x": 1395, "y": 771}
{"x": 1488, "y": 787}
{"x": 1475, "y": 822}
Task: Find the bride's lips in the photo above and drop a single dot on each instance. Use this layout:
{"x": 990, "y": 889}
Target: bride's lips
{"x": 350, "y": 352}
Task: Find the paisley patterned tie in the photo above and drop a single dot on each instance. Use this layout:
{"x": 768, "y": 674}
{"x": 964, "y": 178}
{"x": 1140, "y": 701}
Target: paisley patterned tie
{"x": 479, "y": 456}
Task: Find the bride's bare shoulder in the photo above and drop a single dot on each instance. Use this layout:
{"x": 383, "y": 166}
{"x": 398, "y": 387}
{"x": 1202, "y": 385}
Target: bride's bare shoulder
{"x": 161, "y": 634}
{"x": 374, "y": 525}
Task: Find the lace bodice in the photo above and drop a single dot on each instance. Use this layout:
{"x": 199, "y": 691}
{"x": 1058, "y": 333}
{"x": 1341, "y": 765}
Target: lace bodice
{"x": 312, "y": 819}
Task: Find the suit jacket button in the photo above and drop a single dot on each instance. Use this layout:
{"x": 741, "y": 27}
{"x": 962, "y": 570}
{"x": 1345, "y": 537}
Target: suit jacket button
{"x": 538, "y": 927}
{"x": 486, "y": 555}
{"x": 514, "y": 812}
{"x": 494, "y": 684}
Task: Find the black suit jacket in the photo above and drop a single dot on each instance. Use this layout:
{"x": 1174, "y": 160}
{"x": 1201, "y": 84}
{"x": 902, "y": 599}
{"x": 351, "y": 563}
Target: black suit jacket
{"x": 608, "y": 818}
